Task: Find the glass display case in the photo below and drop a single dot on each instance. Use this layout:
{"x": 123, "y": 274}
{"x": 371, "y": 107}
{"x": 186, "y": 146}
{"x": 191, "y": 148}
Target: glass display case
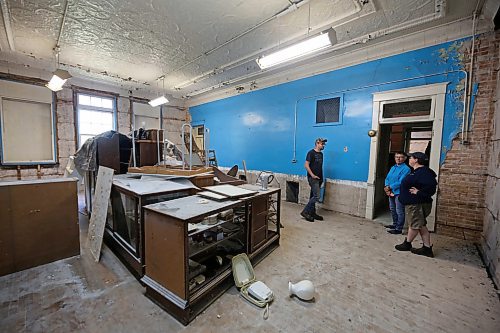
{"x": 124, "y": 232}
{"x": 189, "y": 244}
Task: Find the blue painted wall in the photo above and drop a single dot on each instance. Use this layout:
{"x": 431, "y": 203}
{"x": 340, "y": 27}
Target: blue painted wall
{"x": 258, "y": 126}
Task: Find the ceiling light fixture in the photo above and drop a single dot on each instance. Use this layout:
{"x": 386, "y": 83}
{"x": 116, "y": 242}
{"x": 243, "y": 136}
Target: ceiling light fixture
{"x": 159, "y": 100}
{"x": 59, "y": 77}
{"x": 308, "y": 46}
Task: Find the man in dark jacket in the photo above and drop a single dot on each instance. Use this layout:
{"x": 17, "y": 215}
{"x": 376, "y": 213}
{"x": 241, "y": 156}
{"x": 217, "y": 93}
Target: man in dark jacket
{"x": 416, "y": 194}
{"x": 314, "y": 167}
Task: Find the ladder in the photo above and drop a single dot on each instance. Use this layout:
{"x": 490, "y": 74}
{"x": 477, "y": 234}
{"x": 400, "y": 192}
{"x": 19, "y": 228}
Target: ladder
{"x": 212, "y": 160}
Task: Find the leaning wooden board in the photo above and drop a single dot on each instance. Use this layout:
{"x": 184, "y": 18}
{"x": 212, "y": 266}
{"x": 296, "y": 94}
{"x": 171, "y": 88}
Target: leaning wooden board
{"x": 100, "y": 210}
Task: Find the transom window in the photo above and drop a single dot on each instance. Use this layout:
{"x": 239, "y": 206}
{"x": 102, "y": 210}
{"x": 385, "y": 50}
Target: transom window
{"x": 415, "y": 108}
{"x": 96, "y": 114}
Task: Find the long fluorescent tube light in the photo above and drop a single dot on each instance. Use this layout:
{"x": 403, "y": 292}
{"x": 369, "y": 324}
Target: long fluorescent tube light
{"x": 58, "y": 79}
{"x": 298, "y": 50}
{"x": 158, "y": 101}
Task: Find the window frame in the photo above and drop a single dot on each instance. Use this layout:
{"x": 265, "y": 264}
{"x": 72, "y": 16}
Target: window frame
{"x": 341, "y": 111}
{"x": 429, "y": 117}
{"x": 76, "y": 105}
{"x": 53, "y": 125}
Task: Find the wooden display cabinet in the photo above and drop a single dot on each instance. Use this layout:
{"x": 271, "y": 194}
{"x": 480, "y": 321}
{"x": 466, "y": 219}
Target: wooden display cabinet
{"x": 124, "y": 232}
{"x": 189, "y": 243}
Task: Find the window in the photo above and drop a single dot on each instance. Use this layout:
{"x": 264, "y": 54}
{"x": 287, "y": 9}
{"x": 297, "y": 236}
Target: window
{"x": 407, "y": 109}
{"x": 328, "y": 110}
{"x": 96, "y": 115}
{"x": 26, "y": 124}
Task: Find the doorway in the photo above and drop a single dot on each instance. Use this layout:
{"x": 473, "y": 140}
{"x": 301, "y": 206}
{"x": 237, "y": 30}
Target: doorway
{"x": 398, "y": 137}
{"x": 415, "y": 116}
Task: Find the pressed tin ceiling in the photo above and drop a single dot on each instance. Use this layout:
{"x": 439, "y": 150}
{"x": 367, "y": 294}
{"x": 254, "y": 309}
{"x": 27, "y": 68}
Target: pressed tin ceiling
{"x": 197, "y": 46}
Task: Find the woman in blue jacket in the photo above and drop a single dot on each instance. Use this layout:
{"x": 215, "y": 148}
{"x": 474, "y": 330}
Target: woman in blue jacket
{"x": 416, "y": 194}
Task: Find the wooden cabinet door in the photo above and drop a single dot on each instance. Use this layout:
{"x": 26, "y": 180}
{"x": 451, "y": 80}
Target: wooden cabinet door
{"x": 258, "y": 222}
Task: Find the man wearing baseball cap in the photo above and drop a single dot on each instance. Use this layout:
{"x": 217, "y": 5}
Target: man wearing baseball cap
{"x": 416, "y": 194}
{"x": 314, "y": 167}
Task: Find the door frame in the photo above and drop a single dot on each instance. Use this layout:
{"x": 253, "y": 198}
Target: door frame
{"x": 437, "y": 92}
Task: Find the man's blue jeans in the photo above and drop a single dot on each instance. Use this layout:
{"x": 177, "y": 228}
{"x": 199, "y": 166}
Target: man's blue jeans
{"x": 314, "y": 196}
{"x": 398, "y": 212}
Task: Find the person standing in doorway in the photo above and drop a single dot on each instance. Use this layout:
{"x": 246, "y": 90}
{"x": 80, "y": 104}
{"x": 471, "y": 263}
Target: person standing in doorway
{"x": 416, "y": 194}
{"x": 314, "y": 167}
{"x": 392, "y": 185}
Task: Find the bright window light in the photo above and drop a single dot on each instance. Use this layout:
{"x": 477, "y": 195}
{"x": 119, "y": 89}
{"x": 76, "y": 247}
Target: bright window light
{"x": 158, "y": 101}
{"x": 301, "y": 49}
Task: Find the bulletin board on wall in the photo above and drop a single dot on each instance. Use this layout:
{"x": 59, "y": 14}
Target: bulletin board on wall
{"x": 26, "y": 124}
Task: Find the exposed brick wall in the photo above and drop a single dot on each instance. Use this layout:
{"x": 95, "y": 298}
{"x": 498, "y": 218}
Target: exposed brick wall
{"x": 462, "y": 182}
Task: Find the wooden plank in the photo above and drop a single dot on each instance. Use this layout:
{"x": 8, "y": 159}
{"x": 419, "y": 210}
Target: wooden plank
{"x": 99, "y": 210}
{"x": 170, "y": 171}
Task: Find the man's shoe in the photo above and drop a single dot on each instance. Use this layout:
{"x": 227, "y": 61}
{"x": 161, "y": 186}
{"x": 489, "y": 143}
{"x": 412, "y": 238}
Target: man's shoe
{"x": 317, "y": 217}
{"x": 405, "y": 246}
{"x": 390, "y": 226}
{"x": 394, "y": 231}
{"x": 424, "y": 251}
{"x": 308, "y": 217}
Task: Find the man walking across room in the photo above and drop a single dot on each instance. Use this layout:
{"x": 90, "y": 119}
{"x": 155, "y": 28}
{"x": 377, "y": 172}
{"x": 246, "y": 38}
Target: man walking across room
{"x": 416, "y": 194}
{"x": 314, "y": 167}
{"x": 392, "y": 185}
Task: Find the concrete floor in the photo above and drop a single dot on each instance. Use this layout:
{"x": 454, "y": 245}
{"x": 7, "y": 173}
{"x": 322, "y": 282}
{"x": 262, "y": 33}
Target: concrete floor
{"x": 362, "y": 284}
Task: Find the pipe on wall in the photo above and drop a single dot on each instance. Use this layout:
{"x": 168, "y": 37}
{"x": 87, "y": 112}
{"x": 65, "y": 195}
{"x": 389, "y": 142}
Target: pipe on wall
{"x": 466, "y": 114}
{"x": 294, "y": 158}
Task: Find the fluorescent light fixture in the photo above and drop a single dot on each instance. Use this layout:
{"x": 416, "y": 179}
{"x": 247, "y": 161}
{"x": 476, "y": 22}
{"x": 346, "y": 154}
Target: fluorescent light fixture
{"x": 158, "y": 101}
{"x": 298, "y": 50}
{"x": 58, "y": 79}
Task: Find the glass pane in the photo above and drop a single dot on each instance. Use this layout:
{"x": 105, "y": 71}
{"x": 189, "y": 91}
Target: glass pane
{"x": 107, "y": 103}
{"x": 96, "y": 101}
{"x": 83, "y": 99}
{"x": 124, "y": 221}
{"x": 84, "y": 138}
{"x": 94, "y": 122}
{"x": 327, "y": 110}
{"x": 407, "y": 109}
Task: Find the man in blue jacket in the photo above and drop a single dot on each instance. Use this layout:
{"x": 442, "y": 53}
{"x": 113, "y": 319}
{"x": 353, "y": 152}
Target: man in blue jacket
{"x": 392, "y": 184}
{"x": 416, "y": 194}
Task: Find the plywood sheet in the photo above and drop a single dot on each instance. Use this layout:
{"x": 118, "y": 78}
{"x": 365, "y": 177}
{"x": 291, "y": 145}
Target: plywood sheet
{"x": 144, "y": 187}
{"x": 212, "y": 195}
{"x": 100, "y": 210}
{"x": 190, "y": 207}
{"x": 231, "y": 191}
